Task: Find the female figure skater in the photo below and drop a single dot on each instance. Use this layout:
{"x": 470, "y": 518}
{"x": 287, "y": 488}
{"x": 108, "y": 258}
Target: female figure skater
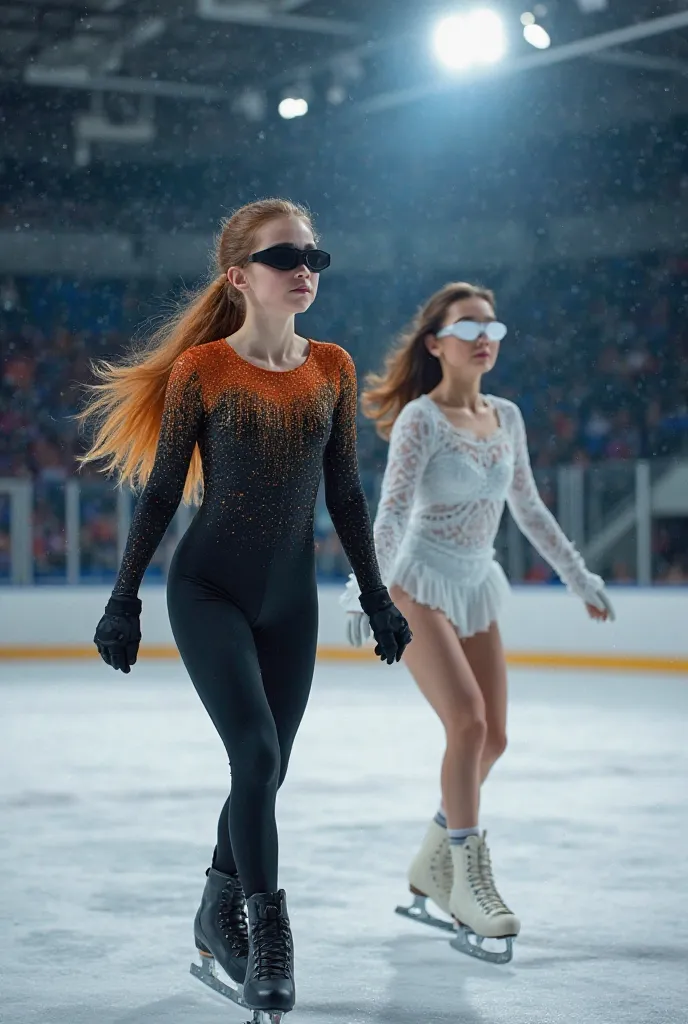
{"x": 455, "y": 455}
{"x": 229, "y": 400}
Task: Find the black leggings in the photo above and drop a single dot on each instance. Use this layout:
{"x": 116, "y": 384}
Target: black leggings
{"x": 251, "y": 661}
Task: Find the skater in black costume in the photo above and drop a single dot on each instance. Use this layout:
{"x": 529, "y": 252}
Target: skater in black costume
{"x": 228, "y": 402}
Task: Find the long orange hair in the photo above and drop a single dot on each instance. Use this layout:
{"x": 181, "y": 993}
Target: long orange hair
{"x": 410, "y": 370}
{"x": 126, "y": 405}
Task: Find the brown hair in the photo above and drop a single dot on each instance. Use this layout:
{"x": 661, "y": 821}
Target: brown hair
{"x": 127, "y": 403}
{"x": 410, "y": 369}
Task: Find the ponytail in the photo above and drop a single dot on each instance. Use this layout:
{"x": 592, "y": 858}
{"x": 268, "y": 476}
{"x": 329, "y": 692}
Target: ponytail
{"x": 126, "y": 404}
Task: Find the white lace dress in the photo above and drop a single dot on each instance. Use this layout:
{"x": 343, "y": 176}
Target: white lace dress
{"x": 442, "y": 499}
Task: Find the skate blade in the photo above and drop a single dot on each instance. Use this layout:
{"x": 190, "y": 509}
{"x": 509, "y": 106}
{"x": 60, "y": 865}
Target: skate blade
{"x": 418, "y": 912}
{"x": 207, "y": 974}
{"x": 466, "y": 941}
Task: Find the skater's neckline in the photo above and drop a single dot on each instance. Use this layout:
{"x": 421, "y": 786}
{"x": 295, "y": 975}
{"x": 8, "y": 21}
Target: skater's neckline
{"x": 265, "y": 369}
{"x": 465, "y": 431}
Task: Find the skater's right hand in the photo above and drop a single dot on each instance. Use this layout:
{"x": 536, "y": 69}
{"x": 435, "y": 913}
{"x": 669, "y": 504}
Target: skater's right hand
{"x": 600, "y": 608}
{"x": 388, "y": 625}
{"x": 118, "y": 634}
{"x": 357, "y": 628}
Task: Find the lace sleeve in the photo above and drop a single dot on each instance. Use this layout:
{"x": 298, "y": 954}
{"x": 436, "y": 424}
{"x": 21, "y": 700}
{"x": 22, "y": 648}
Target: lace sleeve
{"x": 160, "y": 497}
{"x": 409, "y": 449}
{"x": 539, "y": 525}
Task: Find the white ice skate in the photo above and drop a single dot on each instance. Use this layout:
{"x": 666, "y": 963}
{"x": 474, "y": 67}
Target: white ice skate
{"x": 476, "y": 906}
{"x": 207, "y": 973}
{"x": 431, "y": 876}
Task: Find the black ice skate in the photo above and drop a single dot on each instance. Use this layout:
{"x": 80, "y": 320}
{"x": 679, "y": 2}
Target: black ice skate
{"x": 221, "y": 934}
{"x": 269, "y": 985}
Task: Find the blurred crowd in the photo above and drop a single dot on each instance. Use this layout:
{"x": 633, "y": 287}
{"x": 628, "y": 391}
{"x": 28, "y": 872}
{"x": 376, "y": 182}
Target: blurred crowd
{"x": 595, "y": 358}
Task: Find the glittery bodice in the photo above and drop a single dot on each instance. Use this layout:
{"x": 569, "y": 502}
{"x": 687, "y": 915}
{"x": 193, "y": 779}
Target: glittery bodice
{"x": 264, "y": 439}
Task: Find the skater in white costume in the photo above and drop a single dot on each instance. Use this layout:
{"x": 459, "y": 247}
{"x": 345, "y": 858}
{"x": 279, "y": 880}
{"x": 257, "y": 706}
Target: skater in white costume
{"x": 455, "y": 457}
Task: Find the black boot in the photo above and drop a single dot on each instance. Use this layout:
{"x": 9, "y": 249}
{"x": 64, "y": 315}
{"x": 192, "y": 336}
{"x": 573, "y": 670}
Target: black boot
{"x": 220, "y": 928}
{"x": 269, "y": 981}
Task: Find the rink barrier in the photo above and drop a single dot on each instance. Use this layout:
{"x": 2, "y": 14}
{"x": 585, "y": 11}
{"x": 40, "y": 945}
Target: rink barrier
{"x": 515, "y": 659}
{"x": 542, "y": 628}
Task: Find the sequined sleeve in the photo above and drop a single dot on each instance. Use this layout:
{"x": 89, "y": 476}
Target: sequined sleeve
{"x": 160, "y": 498}
{"x": 537, "y": 522}
{"x": 344, "y": 495}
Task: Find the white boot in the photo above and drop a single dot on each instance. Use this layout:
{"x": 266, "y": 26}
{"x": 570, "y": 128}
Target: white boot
{"x": 474, "y": 900}
{"x": 432, "y": 872}
{"x": 489, "y": 882}
{"x": 430, "y": 877}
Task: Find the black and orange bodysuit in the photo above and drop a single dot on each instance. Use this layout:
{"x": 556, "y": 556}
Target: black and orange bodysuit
{"x": 241, "y": 589}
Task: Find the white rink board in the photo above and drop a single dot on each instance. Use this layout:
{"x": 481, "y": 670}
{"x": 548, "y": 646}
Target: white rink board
{"x": 651, "y": 623}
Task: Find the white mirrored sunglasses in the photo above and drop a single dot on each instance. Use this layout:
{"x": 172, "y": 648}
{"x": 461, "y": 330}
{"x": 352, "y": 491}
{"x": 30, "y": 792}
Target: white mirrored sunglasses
{"x": 471, "y": 330}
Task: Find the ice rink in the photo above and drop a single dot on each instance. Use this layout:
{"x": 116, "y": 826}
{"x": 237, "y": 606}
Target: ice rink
{"x": 110, "y": 791}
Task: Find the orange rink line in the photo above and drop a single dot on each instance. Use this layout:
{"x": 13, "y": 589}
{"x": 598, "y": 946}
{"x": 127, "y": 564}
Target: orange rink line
{"x": 517, "y": 659}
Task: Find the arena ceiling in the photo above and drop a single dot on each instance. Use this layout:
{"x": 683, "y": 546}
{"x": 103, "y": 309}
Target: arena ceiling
{"x": 166, "y": 79}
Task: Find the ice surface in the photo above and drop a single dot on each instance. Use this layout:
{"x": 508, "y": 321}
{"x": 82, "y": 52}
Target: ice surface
{"x": 110, "y": 790}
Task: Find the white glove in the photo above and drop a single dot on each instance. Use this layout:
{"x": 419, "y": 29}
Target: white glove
{"x": 357, "y": 628}
{"x": 600, "y": 600}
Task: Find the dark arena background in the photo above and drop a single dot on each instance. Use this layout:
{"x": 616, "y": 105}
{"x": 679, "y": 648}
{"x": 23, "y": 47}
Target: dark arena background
{"x": 539, "y": 150}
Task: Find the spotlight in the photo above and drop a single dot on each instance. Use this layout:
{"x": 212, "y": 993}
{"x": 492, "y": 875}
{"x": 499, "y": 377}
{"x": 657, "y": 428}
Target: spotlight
{"x": 465, "y": 40}
{"x": 537, "y": 36}
{"x": 293, "y": 106}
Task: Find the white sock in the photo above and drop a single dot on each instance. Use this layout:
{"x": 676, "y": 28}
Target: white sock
{"x": 458, "y": 836}
{"x": 441, "y": 818}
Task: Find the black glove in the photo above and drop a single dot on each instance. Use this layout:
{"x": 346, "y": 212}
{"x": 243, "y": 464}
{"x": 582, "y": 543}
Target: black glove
{"x": 118, "y": 634}
{"x": 390, "y": 628}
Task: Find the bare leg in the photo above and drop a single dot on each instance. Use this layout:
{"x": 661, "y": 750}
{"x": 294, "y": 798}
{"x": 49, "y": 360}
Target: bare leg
{"x": 485, "y": 655}
{"x": 444, "y": 676}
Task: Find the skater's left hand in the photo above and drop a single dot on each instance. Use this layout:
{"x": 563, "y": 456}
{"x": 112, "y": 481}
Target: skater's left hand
{"x": 602, "y": 609}
{"x": 388, "y": 625}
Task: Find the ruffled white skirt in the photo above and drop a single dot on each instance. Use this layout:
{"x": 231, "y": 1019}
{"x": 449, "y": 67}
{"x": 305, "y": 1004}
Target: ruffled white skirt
{"x": 470, "y": 589}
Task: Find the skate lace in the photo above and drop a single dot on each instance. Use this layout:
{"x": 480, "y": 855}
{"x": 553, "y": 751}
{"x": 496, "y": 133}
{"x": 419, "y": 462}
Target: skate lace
{"x": 493, "y": 899}
{"x": 272, "y": 949}
{"x": 232, "y": 919}
{"x": 485, "y": 893}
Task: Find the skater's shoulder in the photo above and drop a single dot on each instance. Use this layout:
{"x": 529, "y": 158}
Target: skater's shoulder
{"x": 419, "y": 409}
{"x": 332, "y": 356}
{"x": 200, "y": 358}
{"x": 416, "y": 414}
{"x": 509, "y": 412}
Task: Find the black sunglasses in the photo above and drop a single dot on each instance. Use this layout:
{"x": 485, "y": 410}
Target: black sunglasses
{"x": 286, "y": 257}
